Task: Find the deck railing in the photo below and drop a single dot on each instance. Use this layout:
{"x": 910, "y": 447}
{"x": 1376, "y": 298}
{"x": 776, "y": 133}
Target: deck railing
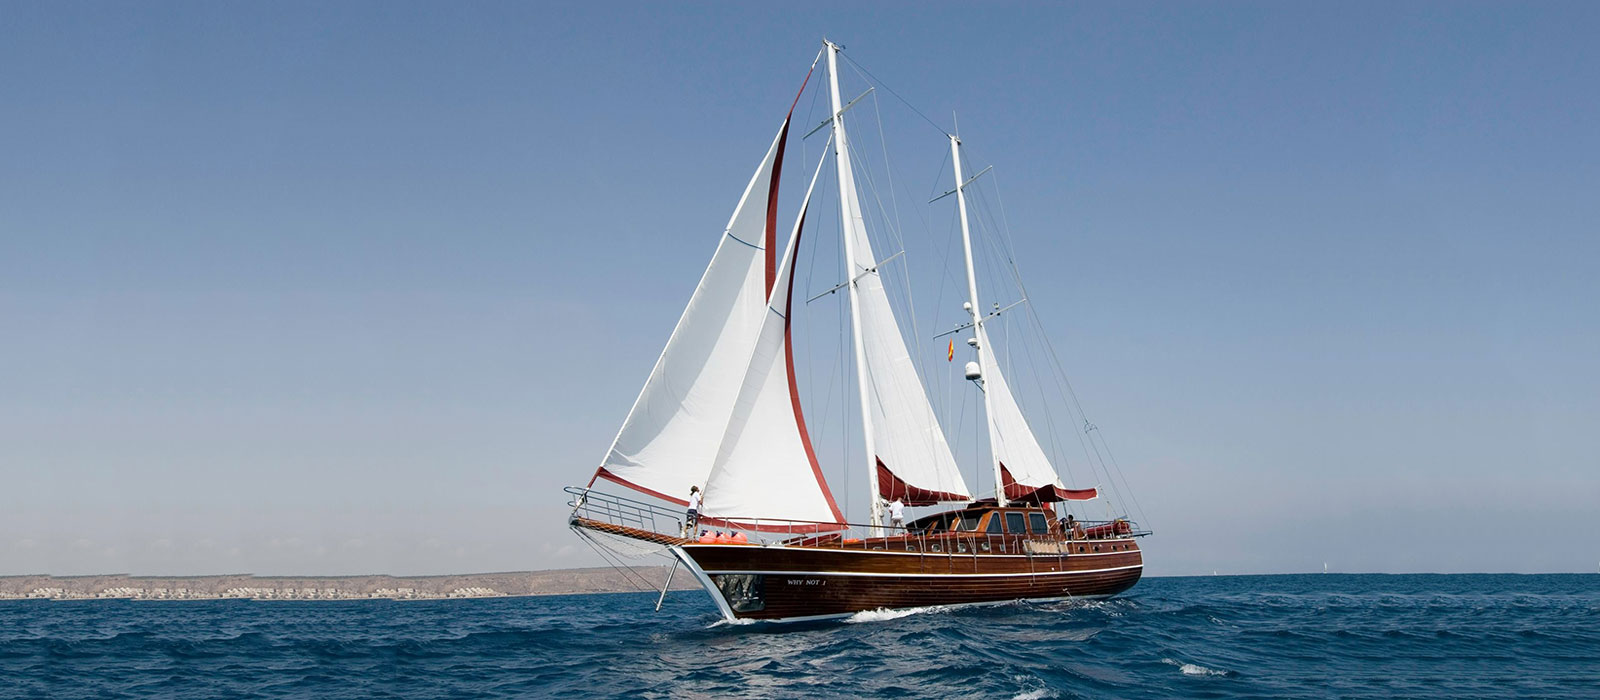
{"x": 627, "y": 512}
{"x": 653, "y": 518}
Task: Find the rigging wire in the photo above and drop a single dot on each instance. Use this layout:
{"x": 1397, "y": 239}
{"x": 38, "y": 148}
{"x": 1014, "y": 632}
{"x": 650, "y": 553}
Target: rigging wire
{"x": 1061, "y": 376}
{"x": 1092, "y": 450}
{"x": 878, "y": 81}
{"x": 634, "y": 578}
{"x": 1090, "y": 456}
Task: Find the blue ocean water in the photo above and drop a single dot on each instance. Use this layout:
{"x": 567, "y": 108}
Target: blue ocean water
{"x": 1306, "y": 636}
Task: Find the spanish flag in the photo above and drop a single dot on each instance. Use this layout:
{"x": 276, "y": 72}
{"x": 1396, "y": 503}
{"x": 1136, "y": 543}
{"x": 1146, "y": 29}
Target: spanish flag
{"x": 950, "y": 355}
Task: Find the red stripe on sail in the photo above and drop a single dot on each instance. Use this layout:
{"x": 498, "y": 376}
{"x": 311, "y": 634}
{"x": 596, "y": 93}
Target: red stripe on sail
{"x": 794, "y": 387}
{"x": 1041, "y": 494}
{"x": 892, "y": 487}
{"x": 603, "y": 473}
{"x": 771, "y": 238}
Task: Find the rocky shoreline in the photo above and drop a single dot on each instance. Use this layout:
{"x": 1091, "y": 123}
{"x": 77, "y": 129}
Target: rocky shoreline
{"x": 377, "y": 586}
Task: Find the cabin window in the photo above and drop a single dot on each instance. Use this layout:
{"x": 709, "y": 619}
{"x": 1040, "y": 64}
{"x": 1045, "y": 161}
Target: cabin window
{"x": 1037, "y": 524}
{"x": 994, "y": 524}
{"x": 969, "y": 522}
{"x": 1014, "y": 524}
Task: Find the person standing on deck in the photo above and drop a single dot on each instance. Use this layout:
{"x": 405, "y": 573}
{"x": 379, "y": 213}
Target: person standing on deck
{"x": 692, "y": 517}
{"x": 1071, "y": 528}
{"x": 897, "y": 514}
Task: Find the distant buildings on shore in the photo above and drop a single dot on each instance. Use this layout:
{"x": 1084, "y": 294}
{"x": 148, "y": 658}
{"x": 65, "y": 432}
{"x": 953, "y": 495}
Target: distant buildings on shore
{"x": 248, "y": 593}
{"x": 366, "y": 587}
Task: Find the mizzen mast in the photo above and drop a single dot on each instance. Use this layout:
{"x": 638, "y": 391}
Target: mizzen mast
{"x": 975, "y": 311}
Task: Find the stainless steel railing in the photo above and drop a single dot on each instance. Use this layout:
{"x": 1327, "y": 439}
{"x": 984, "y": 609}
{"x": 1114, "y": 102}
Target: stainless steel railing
{"x": 628, "y": 512}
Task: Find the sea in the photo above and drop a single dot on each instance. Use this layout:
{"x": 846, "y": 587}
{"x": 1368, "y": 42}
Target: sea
{"x": 1299, "y": 636}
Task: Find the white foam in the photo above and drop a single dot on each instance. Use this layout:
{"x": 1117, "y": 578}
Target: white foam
{"x": 1194, "y": 669}
{"x": 735, "y": 621}
{"x": 881, "y": 615}
{"x": 1035, "y": 695}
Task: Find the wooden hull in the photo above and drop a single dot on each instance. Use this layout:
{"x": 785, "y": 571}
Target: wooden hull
{"x": 787, "y": 583}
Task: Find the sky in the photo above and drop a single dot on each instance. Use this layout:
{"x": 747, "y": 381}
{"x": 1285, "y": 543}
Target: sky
{"x": 311, "y": 288}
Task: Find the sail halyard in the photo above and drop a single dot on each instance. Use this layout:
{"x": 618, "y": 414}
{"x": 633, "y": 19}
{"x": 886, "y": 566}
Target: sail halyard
{"x": 766, "y": 476}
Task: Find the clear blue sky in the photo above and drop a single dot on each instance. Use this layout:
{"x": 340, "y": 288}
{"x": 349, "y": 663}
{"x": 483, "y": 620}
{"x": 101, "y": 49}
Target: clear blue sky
{"x": 356, "y": 287}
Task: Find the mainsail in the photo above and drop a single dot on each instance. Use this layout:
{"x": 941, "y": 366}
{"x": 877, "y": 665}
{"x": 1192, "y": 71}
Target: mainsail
{"x": 913, "y": 459}
{"x": 766, "y": 475}
{"x": 669, "y": 440}
{"x": 908, "y": 455}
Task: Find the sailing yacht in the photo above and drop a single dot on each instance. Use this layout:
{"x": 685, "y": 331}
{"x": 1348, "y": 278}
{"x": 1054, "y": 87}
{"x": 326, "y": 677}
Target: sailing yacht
{"x": 721, "y": 413}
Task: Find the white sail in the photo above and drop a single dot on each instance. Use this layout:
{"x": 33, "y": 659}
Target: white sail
{"x": 909, "y": 442}
{"x": 908, "y": 456}
{"x": 669, "y": 440}
{"x": 766, "y": 475}
{"x": 1011, "y": 442}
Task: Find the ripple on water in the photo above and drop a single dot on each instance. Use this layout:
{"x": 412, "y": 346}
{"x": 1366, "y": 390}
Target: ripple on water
{"x": 1270, "y": 636}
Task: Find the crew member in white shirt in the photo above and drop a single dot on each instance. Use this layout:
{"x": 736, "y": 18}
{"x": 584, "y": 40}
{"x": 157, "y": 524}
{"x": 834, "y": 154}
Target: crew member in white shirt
{"x": 692, "y": 517}
{"x": 897, "y": 513}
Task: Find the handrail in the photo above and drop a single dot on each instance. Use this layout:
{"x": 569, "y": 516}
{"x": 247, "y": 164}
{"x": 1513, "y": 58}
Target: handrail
{"x": 653, "y": 518}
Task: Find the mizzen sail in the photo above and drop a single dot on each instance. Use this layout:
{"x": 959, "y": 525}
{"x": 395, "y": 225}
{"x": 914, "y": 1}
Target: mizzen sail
{"x": 1025, "y": 471}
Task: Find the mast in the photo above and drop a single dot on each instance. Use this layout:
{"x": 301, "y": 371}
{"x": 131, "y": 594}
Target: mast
{"x": 973, "y": 309}
{"x": 850, "y": 212}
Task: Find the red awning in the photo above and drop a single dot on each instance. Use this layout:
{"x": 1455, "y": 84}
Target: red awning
{"x": 892, "y": 487}
{"x": 1020, "y": 493}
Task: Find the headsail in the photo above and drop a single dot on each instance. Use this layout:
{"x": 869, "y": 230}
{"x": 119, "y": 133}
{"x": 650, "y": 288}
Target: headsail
{"x": 669, "y": 440}
{"x": 766, "y": 475}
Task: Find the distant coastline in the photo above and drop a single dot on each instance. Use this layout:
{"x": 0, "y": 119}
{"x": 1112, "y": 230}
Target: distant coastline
{"x": 367, "y": 587}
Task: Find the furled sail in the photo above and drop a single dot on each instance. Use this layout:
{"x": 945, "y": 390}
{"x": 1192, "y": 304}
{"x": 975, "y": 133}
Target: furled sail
{"x": 766, "y": 475}
{"x": 669, "y": 440}
{"x": 1025, "y": 471}
{"x": 911, "y": 456}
